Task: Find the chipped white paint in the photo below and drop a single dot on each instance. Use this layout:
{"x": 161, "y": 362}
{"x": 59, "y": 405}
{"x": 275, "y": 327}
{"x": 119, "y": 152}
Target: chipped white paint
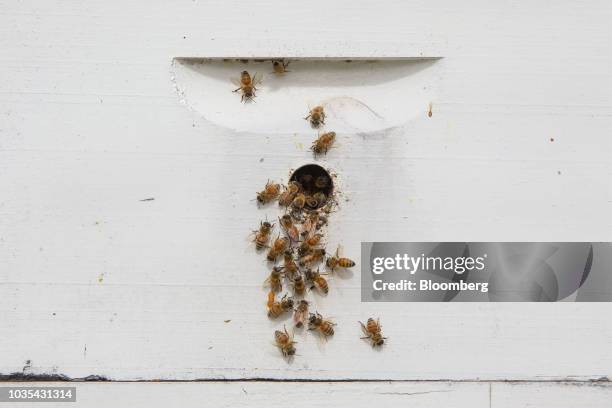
{"x": 96, "y": 281}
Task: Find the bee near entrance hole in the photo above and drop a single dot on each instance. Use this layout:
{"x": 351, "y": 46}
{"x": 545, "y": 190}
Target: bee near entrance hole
{"x": 314, "y": 180}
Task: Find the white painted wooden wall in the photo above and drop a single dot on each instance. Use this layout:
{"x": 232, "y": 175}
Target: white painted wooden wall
{"x": 95, "y": 281}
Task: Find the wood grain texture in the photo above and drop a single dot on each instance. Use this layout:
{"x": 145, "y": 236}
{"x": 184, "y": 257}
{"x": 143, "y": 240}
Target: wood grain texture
{"x": 351, "y": 394}
{"x": 263, "y": 394}
{"x": 96, "y": 281}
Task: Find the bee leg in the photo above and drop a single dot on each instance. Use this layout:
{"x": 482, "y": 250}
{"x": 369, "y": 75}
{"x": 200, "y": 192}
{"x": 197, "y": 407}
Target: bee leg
{"x": 306, "y": 118}
{"x": 237, "y": 89}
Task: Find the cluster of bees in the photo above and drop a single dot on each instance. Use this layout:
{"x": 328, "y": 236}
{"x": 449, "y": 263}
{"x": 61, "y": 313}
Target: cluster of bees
{"x": 308, "y": 201}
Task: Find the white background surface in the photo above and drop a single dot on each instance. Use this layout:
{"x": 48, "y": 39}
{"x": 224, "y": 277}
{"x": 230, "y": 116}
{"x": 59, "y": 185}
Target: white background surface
{"x": 95, "y": 281}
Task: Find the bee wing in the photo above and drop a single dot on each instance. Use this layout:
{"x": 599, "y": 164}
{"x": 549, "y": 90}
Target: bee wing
{"x": 266, "y": 283}
{"x": 257, "y": 78}
{"x": 236, "y": 82}
{"x": 330, "y": 320}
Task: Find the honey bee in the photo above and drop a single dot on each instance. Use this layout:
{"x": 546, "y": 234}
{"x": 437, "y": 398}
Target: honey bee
{"x": 262, "y": 236}
{"x": 306, "y": 181}
{"x": 325, "y": 327}
{"x": 372, "y": 331}
{"x": 317, "y": 280}
{"x": 323, "y": 143}
{"x": 289, "y": 265}
{"x": 315, "y": 256}
{"x": 321, "y": 182}
{"x": 247, "y": 85}
{"x": 321, "y": 222}
{"x": 310, "y": 224}
{"x": 278, "y": 247}
{"x": 329, "y": 207}
{"x": 336, "y": 261}
{"x": 299, "y": 201}
{"x": 269, "y": 193}
{"x": 290, "y": 229}
{"x": 301, "y": 314}
{"x": 271, "y": 299}
{"x": 316, "y": 116}
{"x": 299, "y": 287}
{"x": 274, "y": 280}
{"x": 308, "y": 244}
{"x": 278, "y": 308}
{"x": 287, "y": 196}
{"x": 311, "y": 202}
{"x": 280, "y": 66}
{"x": 316, "y": 200}
{"x": 284, "y": 342}
{"x": 320, "y": 197}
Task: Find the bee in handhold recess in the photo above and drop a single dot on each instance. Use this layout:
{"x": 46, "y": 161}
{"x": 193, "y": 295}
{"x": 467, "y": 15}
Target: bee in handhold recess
{"x": 316, "y": 116}
{"x": 284, "y": 342}
{"x": 325, "y": 327}
{"x": 262, "y": 236}
{"x": 280, "y": 66}
{"x": 336, "y": 261}
{"x": 308, "y": 244}
{"x": 247, "y": 85}
{"x": 299, "y": 201}
{"x": 289, "y": 264}
{"x": 287, "y": 196}
{"x": 278, "y": 308}
{"x": 289, "y": 227}
{"x": 372, "y": 331}
{"x": 317, "y": 280}
{"x": 321, "y": 182}
{"x": 269, "y": 193}
{"x": 274, "y": 280}
{"x": 313, "y": 257}
{"x": 301, "y": 314}
{"x": 323, "y": 143}
{"x": 299, "y": 287}
{"x": 278, "y": 247}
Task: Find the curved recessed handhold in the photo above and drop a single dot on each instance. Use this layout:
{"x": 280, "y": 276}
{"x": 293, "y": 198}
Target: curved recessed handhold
{"x": 357, "y": 95}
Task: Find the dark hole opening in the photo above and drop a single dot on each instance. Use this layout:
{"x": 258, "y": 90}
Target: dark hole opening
{"x": 314, "y": 179}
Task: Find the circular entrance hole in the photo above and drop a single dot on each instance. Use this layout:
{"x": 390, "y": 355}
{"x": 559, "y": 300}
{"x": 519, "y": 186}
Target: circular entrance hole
{"x": 314, "y": 180}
